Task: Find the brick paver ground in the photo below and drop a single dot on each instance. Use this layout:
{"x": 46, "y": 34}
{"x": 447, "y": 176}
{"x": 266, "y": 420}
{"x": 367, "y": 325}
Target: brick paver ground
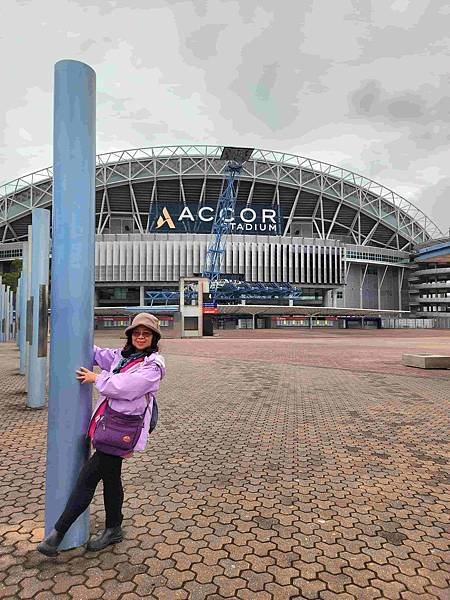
{"x": 285, "y": 465}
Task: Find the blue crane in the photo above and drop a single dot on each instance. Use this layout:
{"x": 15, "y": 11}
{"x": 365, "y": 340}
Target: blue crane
{"x": 225, "y": 211}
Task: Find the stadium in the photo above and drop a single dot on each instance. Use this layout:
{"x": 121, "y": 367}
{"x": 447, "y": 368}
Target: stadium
{"x": 342, "y": 241}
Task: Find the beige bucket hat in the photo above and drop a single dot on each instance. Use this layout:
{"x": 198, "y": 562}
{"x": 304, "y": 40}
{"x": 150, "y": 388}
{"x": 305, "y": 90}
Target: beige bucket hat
{"x": 146, "y": 320}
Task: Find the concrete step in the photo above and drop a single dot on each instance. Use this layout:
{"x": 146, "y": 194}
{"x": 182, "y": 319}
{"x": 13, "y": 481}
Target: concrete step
{"x": 427, "y": 361}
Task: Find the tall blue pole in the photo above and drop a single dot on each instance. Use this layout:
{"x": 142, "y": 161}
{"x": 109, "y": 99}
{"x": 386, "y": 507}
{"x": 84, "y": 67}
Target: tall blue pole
{"x": 16, "y": 308}
{"x": 12, "y": 325}
{"x": 2, "y": 312}
{"x": 72, "y": 290}
{"x": 23, "y": 310}
{"x": 29, "y": 315}
{"x": 7, "y": 336}
{"x": 37, "y": 358}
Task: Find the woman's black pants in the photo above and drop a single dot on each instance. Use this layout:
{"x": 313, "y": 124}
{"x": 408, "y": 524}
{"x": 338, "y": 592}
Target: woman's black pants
{"x": 100, "y": 466}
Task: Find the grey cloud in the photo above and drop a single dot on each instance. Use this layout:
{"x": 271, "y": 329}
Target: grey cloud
{"x": 406, "y": 108}
{"x": 247, "y": 9}
{"x": 117, "y": 104}
{"x": 149, "y": 129}
{"x": 423, "y": 114}
{"x": 142, "y": 113}
{"x": 266, "y": 81}
{"x": 353, "y": 83}
{"x": 273, "y": 74}
{"x": 366, "y": 100}
{"x": 439, "y": 197}
{"x": 441, "y": 109}
{"x": 185, "y": 137}
{"x": 87, "y": 44}
{"x": 370, "y": 100}
{"x": 405, "y": 38}
{"x": 203, "y": 41}
{"x": 109, "y": 6}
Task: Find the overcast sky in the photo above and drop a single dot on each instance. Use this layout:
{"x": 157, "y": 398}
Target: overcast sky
{"x": 362, "y": 84}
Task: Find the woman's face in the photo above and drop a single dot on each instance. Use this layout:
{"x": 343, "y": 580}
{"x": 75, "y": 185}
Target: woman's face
{"x": 141, "y": 337}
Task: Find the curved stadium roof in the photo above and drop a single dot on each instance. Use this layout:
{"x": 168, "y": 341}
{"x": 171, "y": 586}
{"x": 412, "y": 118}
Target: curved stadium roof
{"x": 340, "y": 204}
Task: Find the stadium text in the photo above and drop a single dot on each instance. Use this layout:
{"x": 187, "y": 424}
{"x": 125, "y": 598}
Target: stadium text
{"x": 245, "y": 219}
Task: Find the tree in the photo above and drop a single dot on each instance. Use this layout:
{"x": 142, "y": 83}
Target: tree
{"x": 12, "y": 277}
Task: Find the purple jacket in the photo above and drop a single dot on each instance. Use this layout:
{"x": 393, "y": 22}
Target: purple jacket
{"x": 126, "y": 391}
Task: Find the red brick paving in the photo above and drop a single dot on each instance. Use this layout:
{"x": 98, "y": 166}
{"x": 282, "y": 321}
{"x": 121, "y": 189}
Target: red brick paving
{"x": 378, "y": 350}
{"x": 285, "y": 465}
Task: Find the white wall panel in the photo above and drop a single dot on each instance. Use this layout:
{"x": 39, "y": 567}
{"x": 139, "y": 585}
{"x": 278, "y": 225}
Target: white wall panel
{"x": 142, "y": 261}
{"x": 284, "y": 255}
{"x": 168, "y": 270}
{"x": 248, "y": 264}
{"x": 278, "y": 259}
{"x": 235, "y": 252}
{"x": 116, "y": 262}
{"x": 273, "y": 262}
{"x": 123, "y": 261}
{"x": 308, "y": 263}
{"x": 290, "y": 250}
{"x": 169, "y": 259}
{"x": 183, "y": 259}
{"x": 241, "y": 258}
{"x": 176, "y": 260}
{"x": 260, "y": 275}
{"x": 155, "y": 262}
{"x": 318, "y": 268}
{"x": 100, "y": 264}
{"x": 254, "y": 261}
{"x": 135, "y": 261}
{"x": 149, "y": 265}
{"x": 314, "y": 267}
{"x": 203, "y": 253}
{"x": 195, "y": 257}
{"x": 266, "y": 262}
{"x": 302, "y": 264}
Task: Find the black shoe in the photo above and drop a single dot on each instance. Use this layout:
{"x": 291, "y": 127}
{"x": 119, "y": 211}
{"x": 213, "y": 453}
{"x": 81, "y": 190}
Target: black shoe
{"x": 111, "y": 535}
{"x": 49, "y": 546}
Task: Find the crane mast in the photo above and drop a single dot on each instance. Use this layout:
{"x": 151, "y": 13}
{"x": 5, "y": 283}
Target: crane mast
{"x": 224, "y": 214}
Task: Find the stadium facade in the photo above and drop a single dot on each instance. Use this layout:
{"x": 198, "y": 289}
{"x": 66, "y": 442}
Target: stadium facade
{"x": 341, "y": 238}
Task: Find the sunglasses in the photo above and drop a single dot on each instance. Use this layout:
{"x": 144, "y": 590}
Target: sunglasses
{"x": 145, "y": 334}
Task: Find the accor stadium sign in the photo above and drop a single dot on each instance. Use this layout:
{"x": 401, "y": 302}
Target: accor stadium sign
{"x": 191, "y": 218}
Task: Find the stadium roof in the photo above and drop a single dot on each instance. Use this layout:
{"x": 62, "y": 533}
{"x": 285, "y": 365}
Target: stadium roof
{"x": 341, "y": 202}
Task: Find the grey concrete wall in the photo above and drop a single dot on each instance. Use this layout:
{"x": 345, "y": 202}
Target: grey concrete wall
{"x": 388, "y": 294}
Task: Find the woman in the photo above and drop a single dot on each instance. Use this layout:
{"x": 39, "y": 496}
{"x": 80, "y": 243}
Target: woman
{"x": 127, "y": 384}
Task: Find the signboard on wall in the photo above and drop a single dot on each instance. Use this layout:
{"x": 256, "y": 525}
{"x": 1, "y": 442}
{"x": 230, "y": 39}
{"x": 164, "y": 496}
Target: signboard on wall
{"x": 192, "y": 218}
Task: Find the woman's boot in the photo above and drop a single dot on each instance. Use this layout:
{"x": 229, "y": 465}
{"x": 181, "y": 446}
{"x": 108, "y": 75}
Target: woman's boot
{"x": 49, "y": 546}
{"x": 111, "y": 535}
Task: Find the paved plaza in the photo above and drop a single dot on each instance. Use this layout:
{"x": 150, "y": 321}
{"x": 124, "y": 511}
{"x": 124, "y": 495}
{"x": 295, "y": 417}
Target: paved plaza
{"x": 286, "y": 464}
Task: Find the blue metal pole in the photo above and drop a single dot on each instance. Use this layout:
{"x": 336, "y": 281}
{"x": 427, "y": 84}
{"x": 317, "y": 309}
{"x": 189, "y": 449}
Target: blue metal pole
{"x": 7, "y": 336}
{"x": 23, "y": 310}
{"x": 2, "y": 312}
{"x": 11, "y": 316}
{"x": 29, "y": 320}
{"x": 72, "y": 290}
{"x": 37, "y": 358}
{"x": 16, "y": 307}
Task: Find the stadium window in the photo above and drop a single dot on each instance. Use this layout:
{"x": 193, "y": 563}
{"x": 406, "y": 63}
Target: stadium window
{"x": 339, "y": 295}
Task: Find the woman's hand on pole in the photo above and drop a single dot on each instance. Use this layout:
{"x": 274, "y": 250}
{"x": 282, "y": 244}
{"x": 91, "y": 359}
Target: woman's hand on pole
{"x": 85, "y": 375}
